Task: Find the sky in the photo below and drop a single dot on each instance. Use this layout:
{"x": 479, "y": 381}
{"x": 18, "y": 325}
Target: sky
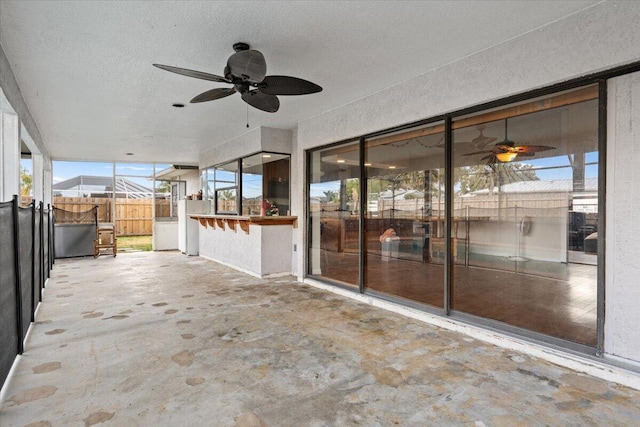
{"x": 547, "y": 169}
{"x": 63, "y": 170}
{"x": 66, "y": 170}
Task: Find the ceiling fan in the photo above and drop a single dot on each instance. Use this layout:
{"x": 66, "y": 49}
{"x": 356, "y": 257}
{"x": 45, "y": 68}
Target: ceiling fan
{"x": 480, "y": 142}
{"x": 507, "y": 150}
{"x": 246, "y": 70}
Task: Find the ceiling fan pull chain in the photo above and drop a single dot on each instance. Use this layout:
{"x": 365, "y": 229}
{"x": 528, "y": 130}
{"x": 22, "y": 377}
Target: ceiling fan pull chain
{"x": 247, "y": 115}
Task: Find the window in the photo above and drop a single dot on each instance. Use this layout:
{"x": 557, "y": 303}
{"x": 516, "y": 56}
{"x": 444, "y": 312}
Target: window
{"x": 265, "y": 178}
{"x": 226, "y": 188}
{"x": 254, "y": 185}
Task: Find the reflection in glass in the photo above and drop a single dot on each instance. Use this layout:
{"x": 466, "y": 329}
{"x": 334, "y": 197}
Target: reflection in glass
{"x": 226, "y": 188}
{"x": 208, "y": 193}
{"x": 525, "y": 228}
{"x": 334, "y": 213}
{"x": 265, "y": 178}
{"x": 405, "y": 214}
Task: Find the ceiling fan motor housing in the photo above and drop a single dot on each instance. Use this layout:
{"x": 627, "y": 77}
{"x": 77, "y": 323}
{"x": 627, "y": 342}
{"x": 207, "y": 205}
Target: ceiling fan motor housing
{"x": 240, "y": 46}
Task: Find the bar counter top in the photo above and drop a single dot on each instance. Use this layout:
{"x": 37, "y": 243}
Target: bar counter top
{"x": 230, "y": 221}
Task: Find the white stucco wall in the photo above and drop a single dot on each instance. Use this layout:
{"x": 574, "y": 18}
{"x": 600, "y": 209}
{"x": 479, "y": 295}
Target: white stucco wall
{"x": 254, "y": 141}
{"x": 241, "y": 146}
{"x": 276, "y": 140}
{"x": 622, "y": 320}
{"x": 265, "y": 251}
{"x": 165, "y": 235}
{"x": 10, "y": 155}
{"x": 192, "y": 179}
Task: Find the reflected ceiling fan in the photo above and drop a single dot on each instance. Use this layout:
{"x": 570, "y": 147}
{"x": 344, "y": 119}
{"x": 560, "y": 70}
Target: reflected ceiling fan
{"x": 480, "y": 142}
{"x": 246, "y": 70}
{"x": 507, "y": 150}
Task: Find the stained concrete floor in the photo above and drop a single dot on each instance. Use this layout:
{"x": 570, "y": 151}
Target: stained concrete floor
{"x": 161, "y": 339}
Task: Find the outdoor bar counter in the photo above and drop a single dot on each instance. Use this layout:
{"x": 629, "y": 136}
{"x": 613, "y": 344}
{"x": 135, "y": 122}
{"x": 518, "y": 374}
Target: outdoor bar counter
{"x": 257, "y": 245}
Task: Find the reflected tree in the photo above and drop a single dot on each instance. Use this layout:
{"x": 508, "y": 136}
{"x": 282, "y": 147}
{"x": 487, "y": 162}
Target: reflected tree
{"x": 490, "y": 176}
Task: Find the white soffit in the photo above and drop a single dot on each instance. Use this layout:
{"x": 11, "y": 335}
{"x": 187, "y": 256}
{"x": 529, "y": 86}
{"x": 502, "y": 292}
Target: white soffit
{"x": 85, "y": 71}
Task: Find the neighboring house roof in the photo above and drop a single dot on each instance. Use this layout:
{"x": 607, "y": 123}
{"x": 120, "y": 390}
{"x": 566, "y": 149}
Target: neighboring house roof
{"x": 102, "y": 185}
{"x": 401, "y": 194}
{"x": 543, "y": 186}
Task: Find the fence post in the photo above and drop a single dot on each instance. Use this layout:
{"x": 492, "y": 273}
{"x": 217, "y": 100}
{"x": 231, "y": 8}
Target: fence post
{"x": 50, "y": 242}
{"x": 33, "y": 260}
{"x": 41, "y": 281}
{"x": 18, "y": 284}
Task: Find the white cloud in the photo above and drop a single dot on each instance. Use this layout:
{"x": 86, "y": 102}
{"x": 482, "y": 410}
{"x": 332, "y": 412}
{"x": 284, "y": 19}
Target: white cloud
{"x": 134, "y": 168}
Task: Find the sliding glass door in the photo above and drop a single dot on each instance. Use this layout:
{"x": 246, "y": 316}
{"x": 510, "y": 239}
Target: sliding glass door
{"x": 405, "y": 214}
{"x": 334, "y": 212}
{"x": 521, "y": 211}
{"x": 526, "y": 215}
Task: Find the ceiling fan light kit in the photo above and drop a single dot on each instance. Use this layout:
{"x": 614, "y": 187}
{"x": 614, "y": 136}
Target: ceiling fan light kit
{"x": 506, "y": 157}
{"x": 246, "y": 70}
{"x": 507, "y": 150}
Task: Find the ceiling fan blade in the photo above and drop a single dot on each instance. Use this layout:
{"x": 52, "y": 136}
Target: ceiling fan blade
{"x": 193, "y": 73}
{"x": 261, "y": 101}
{"x": 478, "y": 152}
{"x": 462, "y": 147}
{"x": 248, "y": 65}
{"x": 285, "y": 85}
{"x": 213, "y": 94}
{"x": 482, "y": 141}
{"x": 532, "y": 148}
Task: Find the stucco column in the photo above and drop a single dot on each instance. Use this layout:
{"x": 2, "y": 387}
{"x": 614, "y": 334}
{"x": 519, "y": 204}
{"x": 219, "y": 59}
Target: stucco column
{"x": 622, "y": 335}
{"x": 10, "y": 144}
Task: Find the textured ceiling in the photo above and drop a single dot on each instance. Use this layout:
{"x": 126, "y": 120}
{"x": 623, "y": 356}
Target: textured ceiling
{"x": 85, "y": 71}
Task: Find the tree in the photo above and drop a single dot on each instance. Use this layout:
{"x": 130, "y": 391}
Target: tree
{"x": 480, "y": 177}
{"x": 164, "y": 187}
{"x": 330, "y": 196}
{"x": 26, "y": 182}
{"x": 227, "y": 195}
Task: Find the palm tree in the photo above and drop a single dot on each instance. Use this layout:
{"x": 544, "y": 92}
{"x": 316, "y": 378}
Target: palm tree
{"x": 227, "y": 195}
{"x": 26, "y": 182}
{"x": 330, "y": 196}
{"x": 490, "y": 176}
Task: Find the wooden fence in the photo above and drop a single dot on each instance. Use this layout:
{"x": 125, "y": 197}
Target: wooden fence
{"x": 495, "y": 205}
{"x": 133, "y": 217}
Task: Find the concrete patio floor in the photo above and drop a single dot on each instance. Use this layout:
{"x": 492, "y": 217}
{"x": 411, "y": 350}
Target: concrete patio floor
{"x": 162, "y": 339}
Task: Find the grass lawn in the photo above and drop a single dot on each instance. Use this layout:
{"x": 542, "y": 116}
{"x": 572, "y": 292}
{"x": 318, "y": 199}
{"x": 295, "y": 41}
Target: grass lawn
{"x": 136, "y": 243}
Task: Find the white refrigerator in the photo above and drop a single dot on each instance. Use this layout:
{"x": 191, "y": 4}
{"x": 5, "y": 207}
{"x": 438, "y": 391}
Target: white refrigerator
{"x": 187, "y": 227}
